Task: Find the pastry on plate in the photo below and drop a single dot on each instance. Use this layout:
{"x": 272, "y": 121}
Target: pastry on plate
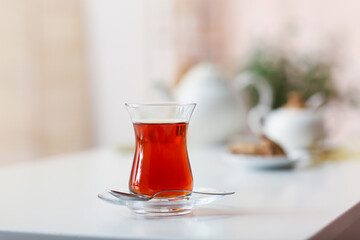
{"x": 266, "y": 147}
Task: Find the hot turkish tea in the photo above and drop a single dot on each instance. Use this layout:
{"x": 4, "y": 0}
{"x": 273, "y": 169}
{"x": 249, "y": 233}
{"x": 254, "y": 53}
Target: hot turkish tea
{"x": 161, "y": 160}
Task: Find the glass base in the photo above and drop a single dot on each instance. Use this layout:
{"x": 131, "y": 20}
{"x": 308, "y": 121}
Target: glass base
{"x": 162, "y": 207}
{"x": 161, "y": 212}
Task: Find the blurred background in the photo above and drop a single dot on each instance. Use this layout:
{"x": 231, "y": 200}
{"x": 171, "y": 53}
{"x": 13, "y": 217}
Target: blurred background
{"x": 68, "y": 66}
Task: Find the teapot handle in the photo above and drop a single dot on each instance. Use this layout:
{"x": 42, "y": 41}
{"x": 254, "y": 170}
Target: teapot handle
{"x": 256, "y": 114}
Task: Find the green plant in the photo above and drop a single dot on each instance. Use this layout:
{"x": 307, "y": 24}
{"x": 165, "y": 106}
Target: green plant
{"x": 286, "y": 73}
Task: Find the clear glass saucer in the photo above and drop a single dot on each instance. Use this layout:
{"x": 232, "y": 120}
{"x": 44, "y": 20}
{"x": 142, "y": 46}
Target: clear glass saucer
{"x": 163, "y": 206}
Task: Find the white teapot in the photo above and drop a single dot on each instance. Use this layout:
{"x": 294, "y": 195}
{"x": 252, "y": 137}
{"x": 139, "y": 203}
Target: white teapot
{"x": 296, "y": 126}
{"x": 219, "y": 113}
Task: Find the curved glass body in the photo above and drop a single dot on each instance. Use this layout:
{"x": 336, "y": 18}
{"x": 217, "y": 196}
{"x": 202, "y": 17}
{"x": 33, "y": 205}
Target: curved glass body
{"x": 161, "y": 160}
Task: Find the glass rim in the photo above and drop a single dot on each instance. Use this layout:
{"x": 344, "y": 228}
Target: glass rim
{"x": 161, "y": 104}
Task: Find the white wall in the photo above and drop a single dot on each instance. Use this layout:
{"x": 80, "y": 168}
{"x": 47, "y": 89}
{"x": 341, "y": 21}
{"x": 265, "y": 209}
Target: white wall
{"x": 116, "y": 65}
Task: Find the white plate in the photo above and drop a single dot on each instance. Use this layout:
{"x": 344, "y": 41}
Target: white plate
{"x": 263, "y": 162}
{"x": 164, "y": 207}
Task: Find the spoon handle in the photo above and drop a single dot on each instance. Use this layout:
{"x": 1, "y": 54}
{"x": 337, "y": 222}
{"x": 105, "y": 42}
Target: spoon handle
{"x": 190, "y": 192}
{"x": 214, "y": 193}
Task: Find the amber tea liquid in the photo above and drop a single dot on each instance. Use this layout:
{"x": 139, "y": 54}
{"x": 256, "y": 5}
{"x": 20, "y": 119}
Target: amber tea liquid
{"x": 161, "y": 160}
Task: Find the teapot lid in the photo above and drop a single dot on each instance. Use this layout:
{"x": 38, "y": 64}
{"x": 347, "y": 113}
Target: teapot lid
{"x": 295, "y": 100}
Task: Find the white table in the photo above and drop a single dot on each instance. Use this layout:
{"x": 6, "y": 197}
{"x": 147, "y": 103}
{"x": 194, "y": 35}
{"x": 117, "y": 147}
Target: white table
{"x": 56, "y": 198}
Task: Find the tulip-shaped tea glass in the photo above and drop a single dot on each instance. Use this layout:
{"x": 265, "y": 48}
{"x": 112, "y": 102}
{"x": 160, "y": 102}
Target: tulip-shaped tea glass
{"x": 161, "y": 160}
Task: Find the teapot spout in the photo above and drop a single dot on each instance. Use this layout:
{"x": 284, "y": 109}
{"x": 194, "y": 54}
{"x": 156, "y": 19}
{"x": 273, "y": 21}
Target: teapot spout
{"x": 163, "y": 91}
